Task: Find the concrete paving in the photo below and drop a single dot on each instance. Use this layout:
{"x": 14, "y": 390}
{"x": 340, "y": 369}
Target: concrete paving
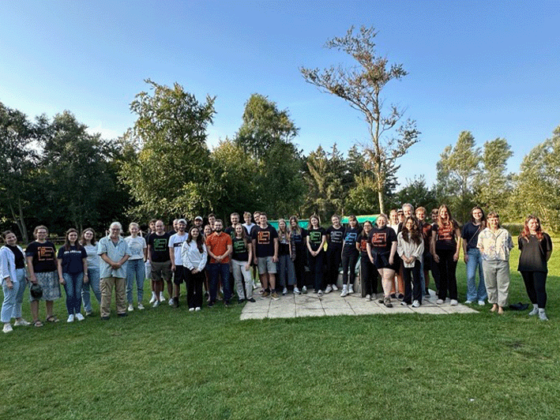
{"x": 296, "y": 306}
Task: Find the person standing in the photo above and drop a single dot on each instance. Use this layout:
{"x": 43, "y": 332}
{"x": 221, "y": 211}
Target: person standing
{"x": 242, "y": 254}
{"x": 410, "y": 246}
{"x": 194, "y": 255}
{"x": 316, "y": 238}
{"x": 175, "y": 244}
{"x": 219, "y": 245}
{"x": 41, "y": 263}
{"x": 381, "y": 249}
{"x": 72, "y": 273}
{"x": 397, "y": 289}
{"x": 285, "y": 264}
{"x": 114, "y": 254}
{"x": 298, "y": 254}
{"x": 12, "y": 277}
{"x": 158, "y": 256}
{"x": 368, "y": 272}
{"x": 335, "y": 238}
{"x": 349, "y": 255}
{"x": 265, "y": 244}
{"x": 535, "y": 246}
{"x": 446, "y": 244}
{"x": 88, "y": 241}
{"x": 495, "y": 244}
{"x": 471, "y": 253}
{"x": 248, "y": 225}
{"x": 136, "y": 268}
{"x": 198, "y": 224}
{"x": 427, "y": 259}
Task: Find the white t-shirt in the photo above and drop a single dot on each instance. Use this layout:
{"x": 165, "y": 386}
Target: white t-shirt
{"x": 248, "y": 228}
{"x": 137, "y": 246}
{"x": 176, "y": 242}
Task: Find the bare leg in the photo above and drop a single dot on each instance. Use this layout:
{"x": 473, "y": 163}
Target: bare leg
{"x": 272, "y": 281}
{"x": 50, "y": 305}
{"x": 35, "y": 310}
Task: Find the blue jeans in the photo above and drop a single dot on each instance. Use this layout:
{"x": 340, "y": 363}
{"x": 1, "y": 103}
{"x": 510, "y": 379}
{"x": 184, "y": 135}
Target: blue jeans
{"x": 215, "y": 270}
{"x": 73, "y": 288}
{"x": 286, "y": 271}
{"x": 474, "y": 293}
{"x": 93, "y": 277}
{"x": 13, "y": 298}
{"x": 135, "y": 268}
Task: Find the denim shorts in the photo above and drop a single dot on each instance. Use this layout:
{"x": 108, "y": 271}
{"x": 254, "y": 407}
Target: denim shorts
{"x": 266, "y": 265}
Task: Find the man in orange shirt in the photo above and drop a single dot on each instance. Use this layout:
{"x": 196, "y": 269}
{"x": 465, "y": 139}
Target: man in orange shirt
{"x": 220, "y": 246}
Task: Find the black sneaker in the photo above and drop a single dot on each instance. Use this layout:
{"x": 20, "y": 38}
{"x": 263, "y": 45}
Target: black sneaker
{"x": 394, "y": 295}
{"x": 122, "y": 315}
{"x": 401, "y": 296}
{"x": 105, "y": 318}
{"x": 252, "y": 300}
{"x": 226, "y": 303}
{"x": 240, "y": 301}
{"x": 210, "y": 304}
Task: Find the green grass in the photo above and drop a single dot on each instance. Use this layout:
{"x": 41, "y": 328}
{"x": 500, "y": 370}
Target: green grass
{"x": 171, "y": 364}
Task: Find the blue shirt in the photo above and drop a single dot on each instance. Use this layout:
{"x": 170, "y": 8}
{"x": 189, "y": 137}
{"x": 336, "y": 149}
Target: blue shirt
{"x": 115, "y": 252}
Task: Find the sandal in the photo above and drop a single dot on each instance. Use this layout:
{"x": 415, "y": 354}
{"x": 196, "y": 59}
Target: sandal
{"x": 37, "y": 324}
{"x": 52, "y": 319}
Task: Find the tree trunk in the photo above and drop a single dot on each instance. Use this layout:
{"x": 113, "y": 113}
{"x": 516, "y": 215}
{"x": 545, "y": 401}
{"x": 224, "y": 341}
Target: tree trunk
{"x": 20, "y": 222}
{"x": 381, "y": 201}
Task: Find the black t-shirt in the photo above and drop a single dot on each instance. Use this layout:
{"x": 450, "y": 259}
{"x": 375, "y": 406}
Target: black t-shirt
{"x": 159, "y": 249}
{"x": 240, "y": 250}
{"x": 381, "y": 240}
{"x": 44, "y": 256}
{"x": 446, "y": 240}
{"x": 336, "y": 236}
{"x": 298, "y": 239}
{"x": 265, "y": 240}
{"x": 72, "y": 259}
{"x": 18, "y": 255}
{"x": 350, "y": 239}
{"x": 315, "y": 237}
{"x": 533, "y": 253}
{"x": 230, "y": 231}
{"x": 470, "y": 234}
{"x": 283, "y": 244}
{"x": 363, "y": 241}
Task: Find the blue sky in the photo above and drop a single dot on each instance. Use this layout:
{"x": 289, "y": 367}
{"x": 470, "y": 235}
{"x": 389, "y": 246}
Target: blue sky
{"x": 489, "y": 67}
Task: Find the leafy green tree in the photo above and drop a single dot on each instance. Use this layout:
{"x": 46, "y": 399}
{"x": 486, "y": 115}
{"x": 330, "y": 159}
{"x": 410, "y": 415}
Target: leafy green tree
{"x": 457, "y": 171}
{"x": 537, "y": 186}
{"x": 361, "y": 88}
{"x": 417, "y": 193}
{"x": 168, "y": 175}
{"x": 494, "y": 184}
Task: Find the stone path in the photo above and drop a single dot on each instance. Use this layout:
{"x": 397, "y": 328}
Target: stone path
{"x": 294, "y": 306}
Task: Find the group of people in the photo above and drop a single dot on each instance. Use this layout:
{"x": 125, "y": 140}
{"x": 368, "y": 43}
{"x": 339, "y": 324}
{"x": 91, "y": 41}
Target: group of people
{"x": 398, "y": 252}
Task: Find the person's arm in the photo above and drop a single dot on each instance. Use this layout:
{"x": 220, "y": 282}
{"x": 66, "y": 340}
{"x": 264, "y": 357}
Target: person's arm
{"x": 84, "y": 263}
{"x": 228, "y": 251}
{"x": 59, "y": 268}
{"x": 32, "y": 277}
{"x": 275, "y": 256}
{"x": 150, "y": 254}
{"x": 419, "y": 251}
{"x": 172, "y": 256}
{"x": 393, "y": 252}
{"x": 465, "y": 254}
{"x": 4, "y": 269}
{"x": 145, "y": 250}
{"x": 370, "y": 255}
{"x": 204, "y": 258}
{"x": 255, "y": 261}
{"x": 433, "y": 247}
{"x": 548, "y": 246}
{"x": 458, "y": 248}
{"x": 309, "y": 246}
{"x": 250, "y": 251}
{"x": 186, "y": 256}
{"x": 109, "y": 261}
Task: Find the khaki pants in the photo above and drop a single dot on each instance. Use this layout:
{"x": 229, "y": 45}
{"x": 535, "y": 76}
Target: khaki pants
{"x": 496, "y": 277}
{"x": 106, "y": 287}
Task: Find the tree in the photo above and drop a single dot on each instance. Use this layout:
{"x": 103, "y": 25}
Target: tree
{"x": 361, "y": 88}
{"x": 457, "y": 170}
{"x": 418, "y": 194}
{"x": 267, "y": 135}
{"x": 168, "y": 175}
{"x": 18, "y": 163}
{"x": 537, "y": 186}
{"x": 494, "y": 185}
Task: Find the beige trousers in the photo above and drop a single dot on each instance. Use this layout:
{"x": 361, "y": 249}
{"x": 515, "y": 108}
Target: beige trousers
{"x": 107, "y": 284}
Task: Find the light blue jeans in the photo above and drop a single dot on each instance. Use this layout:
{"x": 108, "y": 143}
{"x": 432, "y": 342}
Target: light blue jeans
{"x": 13, "y": 298}
{"x": 136, "y": 269}
{"x": 93, "y": 284}
{"x": 73, "y": 289}
{"x": 286, "y": 272}
{"x": 475, "y": 260}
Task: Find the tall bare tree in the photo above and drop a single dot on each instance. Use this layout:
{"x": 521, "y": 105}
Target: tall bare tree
{"x": 361, "y": 87}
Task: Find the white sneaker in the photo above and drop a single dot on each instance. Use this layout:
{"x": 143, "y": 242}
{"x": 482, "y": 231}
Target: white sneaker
{"x": 285, "y": 291}
{"x": 70, "y": 318}
{"x": 140, "y": 307}
{"x": 130, "y": 307}
{"x": 79, "y": 317}
{"x": 191, "y": 309}
{"x": 344, "y": 291}
{"x": 296, "y": 291}
{"x": 368, "y": 297}
{"x": 161, "y": 297}
{"x": 468, "y": 302}
{"x": 415, "y": 304}
{"x": 534, "y": 311}
{"x": 21, "y": 323}
{"x": 335, "y": 287}
{"x": 320, "y": 293}
{"x": 153, "y": 299}
{"x": 350, "y": 289}
{"x": 8, "y": 328}
{"x": 454, "y": 302}
{"x": 542, "y": 315}
{"x": 440, "y": 301}
{"x": 171, "y": 302}
{"x": 304, "y": 290}
{"x": 403, "y": 303}
{"x": 156, "y": 304}
{"x": 328, "y": 289}
{"x": 481, "y": 303}
{"x": 197, "y": 308}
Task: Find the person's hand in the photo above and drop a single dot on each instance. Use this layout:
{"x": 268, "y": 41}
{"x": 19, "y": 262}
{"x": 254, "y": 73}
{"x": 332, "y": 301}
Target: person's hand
{"x": 86, "y": 279}
{"x": 466, "y": 258}
{"x": 436, "y": 258}
{"x": 247, "y": 267}
{"x": 275, "y": 259}
{"x": 456, "y": 256}
{"x": 255, "y": 261}
{"x": 371, "y": 259}
{"x": 173, "y": 268}
{"x": 195, "y": 270}
{"x": 61, "y": 280}
{"x": 391, "y": 260}
{"x": 9, "y": 283}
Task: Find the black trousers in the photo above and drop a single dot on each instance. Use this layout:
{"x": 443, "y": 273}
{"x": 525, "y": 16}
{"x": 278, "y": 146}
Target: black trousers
{"x": 413, "y": 287}
{"x": 535, "y": 283}
{"x": 368, "y": 276}
{"x": 349, "y": 263}
{"x": 447, "y": 278}
{"x": 194, "y": 288}
{"x": 299, "y": 266}
{"x": 316, "y": 268}
{"x": 334, "y": 257}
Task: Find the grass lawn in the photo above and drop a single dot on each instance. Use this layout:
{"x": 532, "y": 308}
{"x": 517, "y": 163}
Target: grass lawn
{"x": 168, "y": 363}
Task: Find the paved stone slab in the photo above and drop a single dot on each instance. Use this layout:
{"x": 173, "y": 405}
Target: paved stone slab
{"x": 332, "y": 304}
